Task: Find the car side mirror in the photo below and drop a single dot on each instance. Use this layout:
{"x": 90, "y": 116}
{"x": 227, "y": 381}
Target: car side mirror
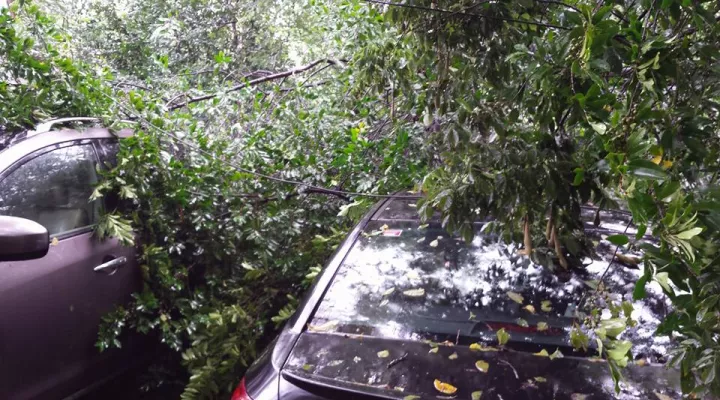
{"x": 22, "y": 239}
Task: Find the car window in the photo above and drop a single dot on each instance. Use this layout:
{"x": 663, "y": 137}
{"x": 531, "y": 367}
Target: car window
{"x": 107, "y": 151}
{"x": 412, "y": 282}
{"x": 53, "y": 189}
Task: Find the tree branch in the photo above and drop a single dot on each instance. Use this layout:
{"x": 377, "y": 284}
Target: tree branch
{"x": 258, "y": 81}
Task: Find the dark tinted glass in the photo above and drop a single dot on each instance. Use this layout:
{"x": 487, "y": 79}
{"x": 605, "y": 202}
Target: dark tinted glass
{"x": 53, "y": 189}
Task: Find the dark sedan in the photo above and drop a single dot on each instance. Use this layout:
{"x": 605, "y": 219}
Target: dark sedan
{"x": 407, "y": 311}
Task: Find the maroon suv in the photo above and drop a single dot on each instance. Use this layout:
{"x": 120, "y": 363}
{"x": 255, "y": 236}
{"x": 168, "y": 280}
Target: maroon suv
{"x": 56, "y": 279}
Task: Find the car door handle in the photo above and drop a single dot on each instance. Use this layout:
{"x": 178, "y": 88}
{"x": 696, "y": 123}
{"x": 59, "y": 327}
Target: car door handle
{"x": 111, "y": 265}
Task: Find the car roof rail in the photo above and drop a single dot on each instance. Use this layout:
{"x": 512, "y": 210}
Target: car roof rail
{"x": 47, "y": 125}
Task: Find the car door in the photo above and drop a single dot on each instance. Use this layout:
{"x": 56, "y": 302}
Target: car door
{"x": 50, "y": 308}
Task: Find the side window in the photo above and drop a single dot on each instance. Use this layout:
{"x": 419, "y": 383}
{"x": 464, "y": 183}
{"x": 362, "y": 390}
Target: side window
{"x": 53, "y": 189}
{"x": 107, "y": 151}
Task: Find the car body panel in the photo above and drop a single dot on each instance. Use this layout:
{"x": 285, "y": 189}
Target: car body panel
{"x": 51, "y": 307}
{"x": 353, "y": 363}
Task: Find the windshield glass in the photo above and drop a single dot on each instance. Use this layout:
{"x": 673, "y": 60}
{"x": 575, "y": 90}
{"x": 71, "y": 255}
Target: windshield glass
{"x": 412, "y": 282}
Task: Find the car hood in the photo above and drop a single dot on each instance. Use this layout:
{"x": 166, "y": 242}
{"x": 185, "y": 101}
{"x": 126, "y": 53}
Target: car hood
{"x": 385, "y": 368}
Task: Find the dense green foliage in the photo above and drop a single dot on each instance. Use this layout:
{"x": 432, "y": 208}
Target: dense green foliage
{"x": 518, "y": 110}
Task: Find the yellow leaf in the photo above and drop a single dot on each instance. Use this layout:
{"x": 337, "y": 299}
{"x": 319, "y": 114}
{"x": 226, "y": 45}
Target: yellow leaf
{"x": 383, "y": 354}
{"x": 530, "y": 308}
{"x": 444, "y": 388}
{"x": 502, "y": 336}
{"x": 481, "y": 347}
{"x": 476, "y": 395}
{"x": 415, "y": 292}
{"x": 556, "y": 354}
{"x": 657, "y": 159}
{"x": 482, "y": 366}
{"x": 542, "y": 353}
{"x": 546, "y": 305}
{"x": 667, "y": 164}
{"x": 328, "y": 326}
{"x": 662, "y": 396}
{"x": 433, "y": 350}
{"x": 384, "y": 227}
{"x": 516, "y": 297}
{"x": 542, "y": 326}
{"x": 411, "y": 397}
{"x": 453, "y": 356}
{"x": 54, "y": 242}
{"x": 540, "y": 379}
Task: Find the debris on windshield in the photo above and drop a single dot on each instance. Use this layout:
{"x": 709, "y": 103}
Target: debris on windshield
{"x": 481, "y": 347}
{"x": 444, "y": 388}
{"x": 398, "y": 360}
{"x": 476, "y": 395}
{"x": 542, "y": 326}
{"x": 335, "y": 363}
{"x": 542, "y": 353}
{"x": 357, "y": 359}
{"x": 556, "y": 354}
{"x": 482, "y": 366}
{"x": 530, "y": 308}
{"x": 502, "y": 336}
{"x": 415, "y": 292}
{"x": 453, "y": 356}
{"x": 308, "y": 367}
{"x": 516, "y": 297}
{"x": 383, "y": 354}
{"x": 522, "y": 322}
{"x": 327, "y": 326}
{"x": 546, "y": 305}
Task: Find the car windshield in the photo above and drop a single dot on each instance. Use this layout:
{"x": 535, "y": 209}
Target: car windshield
{"x": 403, "y": 280}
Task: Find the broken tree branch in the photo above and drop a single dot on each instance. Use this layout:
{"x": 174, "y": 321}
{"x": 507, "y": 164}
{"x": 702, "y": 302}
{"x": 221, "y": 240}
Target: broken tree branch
{"x": 258, "y": 81}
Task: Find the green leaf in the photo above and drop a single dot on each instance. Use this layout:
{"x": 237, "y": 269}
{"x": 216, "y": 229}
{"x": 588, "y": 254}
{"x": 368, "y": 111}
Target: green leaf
{"x": 613, "y": 326}
{"x": 639, "y": 290}
{"x": 619, "y": 240}
{"x": 689, "y": 234}
{"x": 646, "y": 169}
{"x": 663, "y": 279}
{"x": 598, "y": 127}
{"x": 502, "y": 336}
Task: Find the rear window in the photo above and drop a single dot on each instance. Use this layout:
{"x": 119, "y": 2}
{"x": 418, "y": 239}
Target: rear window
{"x": 402, "y": 280}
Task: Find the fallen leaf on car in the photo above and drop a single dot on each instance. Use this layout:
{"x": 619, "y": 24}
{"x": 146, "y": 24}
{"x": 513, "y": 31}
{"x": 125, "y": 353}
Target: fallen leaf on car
{"x": 516, "y": 297}
{"x": 422, "y": 239}
{"x": 542, "y": 353}
{"x": 308, "y": 367}
{"x": 411, "y": 397}
{"x": 389, "y": 291}
{"x": 476, "y": 395}
{"x": 542, "y": 326}
{"x": 481, "y": 347}
{"x": 414, "y": 292}
{"x": 423, "y": 226}
{"x": 444, "y": 388}
{"x": 530, "y": 308}
{"x": 335, "y": 363}
{"x": 556, "y": 354}
{"x": 482, "y": 366}
{"x": 412, "y": 274}
{"x": 502, "y": 336}
{"x": 546, "y": 305}
{"x": 434, "y": 243}
{"x": 384, "y": 302}
{"x": 383, "y": 354}
{"x": 578, "y": 396}
{"x": 54, "y": 242}
{"x": 433, "y": 350}
{"x": 384, "y": 227}
{"x": 540, "y": 379}
{"x": 453, "y": 356}
{"x": 327, "y": 326}
{"x": 662, "y": 396}
{"x": 522, "y": 322}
